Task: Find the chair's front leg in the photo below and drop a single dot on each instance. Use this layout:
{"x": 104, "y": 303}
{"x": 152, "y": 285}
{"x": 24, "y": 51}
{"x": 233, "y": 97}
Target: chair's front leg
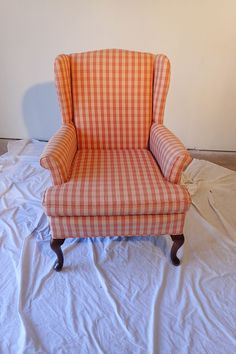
{"x": 56, "y": 247}
{"x": 178, "y": 242}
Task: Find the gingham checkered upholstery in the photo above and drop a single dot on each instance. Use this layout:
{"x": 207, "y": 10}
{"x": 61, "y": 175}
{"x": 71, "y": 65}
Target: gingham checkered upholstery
{"x": 105, "y": 180}
{"x": 62, "y": 70}
{"x": 161, "y": 86}
{"x": 115, "y": 182}
{"x": 169, "y": 152}
{"x": 59, "y": 154}
{"x": 128, "y": 225}
{"x": 112, "y": 97}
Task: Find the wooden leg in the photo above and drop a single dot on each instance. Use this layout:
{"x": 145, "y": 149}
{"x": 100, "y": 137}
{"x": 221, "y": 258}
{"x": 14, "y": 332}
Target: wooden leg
{"x": 56, "y": 247}
{"x": 178, "y": 242}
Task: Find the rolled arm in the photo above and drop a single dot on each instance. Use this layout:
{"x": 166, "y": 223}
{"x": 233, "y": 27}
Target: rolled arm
{"x": 170, "y": 153}
{"x": 59, "y": 153}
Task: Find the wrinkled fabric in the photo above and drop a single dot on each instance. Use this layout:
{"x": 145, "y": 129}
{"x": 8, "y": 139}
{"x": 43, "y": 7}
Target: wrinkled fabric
{"x": 213, "y": 192}
{"x": 114, "y": 295}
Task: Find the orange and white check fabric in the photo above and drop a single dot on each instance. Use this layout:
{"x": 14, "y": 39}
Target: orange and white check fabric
{"x": 106, "y": 181}
{"x": 112, "y": 98}
{"x": 161, "y": 86}
{"x": 62, "y": 72}
{"x": 169, "y": 152}
{"x": 128, "y": 225}
{"x": 115, "y": 182}
{"x": 59, "y": 154}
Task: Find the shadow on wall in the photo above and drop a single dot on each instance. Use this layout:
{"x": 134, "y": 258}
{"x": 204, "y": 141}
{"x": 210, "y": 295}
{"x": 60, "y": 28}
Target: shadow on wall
{"x": 41, "y": 111}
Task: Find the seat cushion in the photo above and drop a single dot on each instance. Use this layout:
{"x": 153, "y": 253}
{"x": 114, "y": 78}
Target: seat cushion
{"x": 115, "y": 182}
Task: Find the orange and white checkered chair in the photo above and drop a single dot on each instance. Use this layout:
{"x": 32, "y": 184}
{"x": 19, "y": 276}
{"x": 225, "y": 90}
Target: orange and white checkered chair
{"x": 115, "y": 167}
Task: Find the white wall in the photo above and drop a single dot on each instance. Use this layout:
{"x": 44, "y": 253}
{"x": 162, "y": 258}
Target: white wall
{"x": 198, "y": 36}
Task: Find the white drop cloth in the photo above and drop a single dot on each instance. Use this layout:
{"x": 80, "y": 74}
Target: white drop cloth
{"x": 116, "y": 295}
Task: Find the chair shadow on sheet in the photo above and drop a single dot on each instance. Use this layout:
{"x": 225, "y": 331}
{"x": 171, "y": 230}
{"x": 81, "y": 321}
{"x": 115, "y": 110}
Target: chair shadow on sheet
{"x": 159, "y": 242}
{"x": 40, "y": 111}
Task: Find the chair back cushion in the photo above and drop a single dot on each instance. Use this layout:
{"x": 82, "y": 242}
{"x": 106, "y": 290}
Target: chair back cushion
{"x": 112, "y": 98}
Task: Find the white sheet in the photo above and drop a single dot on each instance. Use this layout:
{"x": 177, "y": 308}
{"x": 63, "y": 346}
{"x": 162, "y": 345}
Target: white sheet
{"x": 115, "y": 295}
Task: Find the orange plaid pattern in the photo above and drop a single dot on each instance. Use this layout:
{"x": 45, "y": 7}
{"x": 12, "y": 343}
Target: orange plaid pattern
{"x": 115, "y": 182}
{"x": 105, "y": 180}
{"x": 59, "y": 154}
{"x": 169, "y": 152}
{"x": 62, "y": 72}
{"x": 129, "y": 225}
{"x": 112, "y": 98}
{"x": 161, "y": 86}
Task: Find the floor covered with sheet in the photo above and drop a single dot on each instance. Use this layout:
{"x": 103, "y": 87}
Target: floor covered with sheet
{"x": 116, "y": 295}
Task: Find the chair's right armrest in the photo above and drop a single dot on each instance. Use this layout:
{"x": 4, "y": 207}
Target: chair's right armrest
{"x": 169, "y": 152}
{"x": 59, "y": 153}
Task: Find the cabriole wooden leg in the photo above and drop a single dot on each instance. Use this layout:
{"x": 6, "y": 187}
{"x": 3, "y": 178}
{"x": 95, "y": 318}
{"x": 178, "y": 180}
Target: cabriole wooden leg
{"x": 56, "y": 247}
{"x": 178, "y": 242}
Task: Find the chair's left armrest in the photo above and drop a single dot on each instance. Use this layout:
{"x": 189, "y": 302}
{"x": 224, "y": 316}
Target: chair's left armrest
{"x": 170, "y": 153}
{"x": 59, "y": 153}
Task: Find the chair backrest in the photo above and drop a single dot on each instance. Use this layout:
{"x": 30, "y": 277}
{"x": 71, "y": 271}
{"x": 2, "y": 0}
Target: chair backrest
{"x": 108, "y": 94}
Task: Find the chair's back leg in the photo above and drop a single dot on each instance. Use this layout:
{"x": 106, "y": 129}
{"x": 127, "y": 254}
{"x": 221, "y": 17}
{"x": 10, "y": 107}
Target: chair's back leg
{"x": 56, "y": 247}
{"x": 178, "y": 242}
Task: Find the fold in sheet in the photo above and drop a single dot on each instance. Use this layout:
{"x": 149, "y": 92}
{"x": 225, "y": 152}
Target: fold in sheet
{"x": 213, "y": 192}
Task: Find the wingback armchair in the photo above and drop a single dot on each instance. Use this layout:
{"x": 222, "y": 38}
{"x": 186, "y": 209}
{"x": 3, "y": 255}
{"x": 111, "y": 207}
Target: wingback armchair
{"x": 115, "y": 167}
